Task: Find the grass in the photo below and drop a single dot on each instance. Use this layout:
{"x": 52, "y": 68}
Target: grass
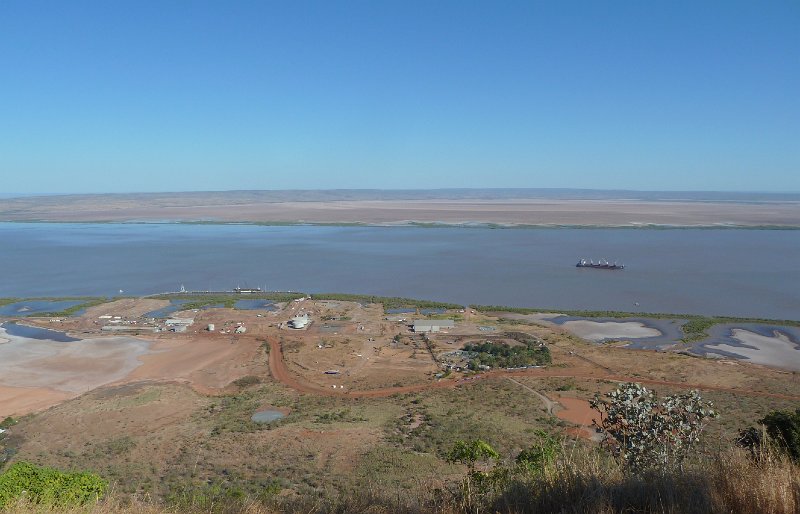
{"x": 87, "y": 301}
{"x": 199, "y": 300}
{"x": 392, "y": 302}
{"x": 577, "y": 482}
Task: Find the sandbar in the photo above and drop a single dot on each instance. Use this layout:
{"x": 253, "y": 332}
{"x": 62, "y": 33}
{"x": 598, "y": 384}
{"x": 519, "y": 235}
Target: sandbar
{"x": 601, "y": 330}
{"x": 778, "y": 351}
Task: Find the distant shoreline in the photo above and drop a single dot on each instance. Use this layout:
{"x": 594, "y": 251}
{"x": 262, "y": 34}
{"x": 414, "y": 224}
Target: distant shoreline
{"x": 492, "y": 210}
{"x": 416, "y": 224}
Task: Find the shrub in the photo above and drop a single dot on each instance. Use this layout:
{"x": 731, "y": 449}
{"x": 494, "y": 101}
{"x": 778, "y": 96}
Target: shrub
{"x": 25, "y": 481}
{"x": 647, "y": 433}
{"x": 247, "y": 381}
{"x": 783, "y": 428}
{"x": 540, "y": 457}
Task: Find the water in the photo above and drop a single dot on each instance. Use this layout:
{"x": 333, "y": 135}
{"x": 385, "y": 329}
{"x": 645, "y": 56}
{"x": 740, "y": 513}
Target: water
{"x": 267, "y": 416}
{"x": 31, "y": 307}
{"x": 166, "y": 312}
{"x": 253, "y": 305}
{"x": 41, "y": 334}
{"x": 728, "y": 272}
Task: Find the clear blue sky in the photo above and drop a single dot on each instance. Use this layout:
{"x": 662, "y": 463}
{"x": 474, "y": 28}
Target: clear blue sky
{"x": 119, "y": 96}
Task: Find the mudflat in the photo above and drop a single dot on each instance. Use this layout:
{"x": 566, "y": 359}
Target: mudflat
{"x": 242, "y": 207}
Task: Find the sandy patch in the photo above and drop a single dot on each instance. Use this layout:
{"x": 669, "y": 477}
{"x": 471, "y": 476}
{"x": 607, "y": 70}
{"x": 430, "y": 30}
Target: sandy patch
{"x": 208, "y": 363}
{"x": 600, "y": 330}
{"x": 73, "y": 367}
{"x": 17, "y": 401}
{"x": 579, "y": 412}
{"x": 778, "y": 350}
{"x": 126, "y": 307}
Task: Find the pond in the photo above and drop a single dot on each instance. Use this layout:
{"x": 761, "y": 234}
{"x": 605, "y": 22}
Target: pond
{"x": 252, "y": 305}
{"x": 267, "y": 416}
{"x": 165, "y": 312}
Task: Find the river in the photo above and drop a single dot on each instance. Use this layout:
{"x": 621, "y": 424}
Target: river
{"x": 735, "y": 272}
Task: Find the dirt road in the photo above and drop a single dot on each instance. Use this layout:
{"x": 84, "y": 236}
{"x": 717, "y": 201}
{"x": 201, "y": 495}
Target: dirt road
{"x": 282, "y": 374}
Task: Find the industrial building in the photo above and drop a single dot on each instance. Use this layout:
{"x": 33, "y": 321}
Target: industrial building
{"x": 299, "y": 322}
{"x": 432, "y": 325}
{"x": 179, "y": 322}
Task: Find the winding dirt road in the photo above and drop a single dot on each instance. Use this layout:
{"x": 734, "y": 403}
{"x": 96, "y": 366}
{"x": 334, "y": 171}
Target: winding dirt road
{"x": 281, "y": 373}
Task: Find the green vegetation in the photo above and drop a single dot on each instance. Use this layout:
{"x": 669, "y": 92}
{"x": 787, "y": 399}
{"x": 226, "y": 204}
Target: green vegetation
{"x": 646, "y": 433}
{"x": 781, "y": 432}
{"x": 247, "y": 381}
{"x": 784, "y": 429}
{"x": 694, "y": 328}
{"x": 531, "y": 352}
{"x": 49, "y": 486}
{"x": 86, "y": 302}
{"x": 227, "y": 300}
{"x": 69, "y": 311}
{"x": 393, "y": 302}
{"x": 340, "y": 416}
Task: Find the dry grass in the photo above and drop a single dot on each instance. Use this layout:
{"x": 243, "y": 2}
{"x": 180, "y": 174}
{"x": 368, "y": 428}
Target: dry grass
{"x": 580, "y": 482}
{"x": 727, "y": 482}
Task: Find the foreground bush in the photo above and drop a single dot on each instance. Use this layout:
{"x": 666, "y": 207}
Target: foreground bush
{"x": 48, "y": 486}
{"x": 648, "y": 433}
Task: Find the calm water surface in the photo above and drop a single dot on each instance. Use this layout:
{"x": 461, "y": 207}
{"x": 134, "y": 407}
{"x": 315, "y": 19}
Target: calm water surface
{"x": 732, "y": 272}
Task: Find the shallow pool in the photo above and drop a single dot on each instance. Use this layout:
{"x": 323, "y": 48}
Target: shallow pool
{"x": 267, "y": 416}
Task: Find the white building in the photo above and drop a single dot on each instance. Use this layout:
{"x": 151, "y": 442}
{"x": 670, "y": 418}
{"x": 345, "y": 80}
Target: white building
{"x": 432, "y": 325}
{"x": 179, "y": 322}
{"x": 299, "y": 322}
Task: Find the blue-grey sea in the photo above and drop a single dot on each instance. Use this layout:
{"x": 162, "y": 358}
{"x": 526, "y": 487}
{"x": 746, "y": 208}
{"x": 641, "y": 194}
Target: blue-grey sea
{"x": 733, "y": 272}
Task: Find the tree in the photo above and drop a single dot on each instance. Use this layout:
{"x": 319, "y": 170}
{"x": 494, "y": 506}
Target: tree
{"x": 540, "y": 457}
{"x": 783, "y": 428}
{"x": 647, "y": 433}
{"x": 477, "y": 481}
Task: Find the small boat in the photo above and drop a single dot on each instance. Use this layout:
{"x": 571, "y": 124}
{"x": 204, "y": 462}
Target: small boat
{"x": 601, "y": 264}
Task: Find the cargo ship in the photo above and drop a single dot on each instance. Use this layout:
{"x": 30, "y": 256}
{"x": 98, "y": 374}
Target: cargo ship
{"x": 601, "y": 264}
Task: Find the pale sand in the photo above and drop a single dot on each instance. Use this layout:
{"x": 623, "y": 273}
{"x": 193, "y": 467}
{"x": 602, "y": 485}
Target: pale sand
{"x": 73, "y": 367}
{"x": 777, "y": 351}
{"x": 599, "y": 330}
{"x": 17, "y": 401}
{"x": 38, "y": 374}
{"x": 207, "y": 363}
{"x": 512, "y": 212}
{"x": 127, "y": 307}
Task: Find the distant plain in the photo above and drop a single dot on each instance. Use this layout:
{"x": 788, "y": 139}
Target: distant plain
{"x": 450, "y": 206}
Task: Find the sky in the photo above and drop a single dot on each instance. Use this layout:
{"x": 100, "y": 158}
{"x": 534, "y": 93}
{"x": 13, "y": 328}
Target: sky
{"x": 138, "y": 95}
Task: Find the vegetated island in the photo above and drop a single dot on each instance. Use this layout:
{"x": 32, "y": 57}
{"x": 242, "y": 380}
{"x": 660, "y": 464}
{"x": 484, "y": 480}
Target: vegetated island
{"x": 496, "y": 208}
{"x": 366, "y": 414}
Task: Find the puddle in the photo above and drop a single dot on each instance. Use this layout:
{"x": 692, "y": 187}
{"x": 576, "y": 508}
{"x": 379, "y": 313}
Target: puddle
{"x": 267, "y": 416}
